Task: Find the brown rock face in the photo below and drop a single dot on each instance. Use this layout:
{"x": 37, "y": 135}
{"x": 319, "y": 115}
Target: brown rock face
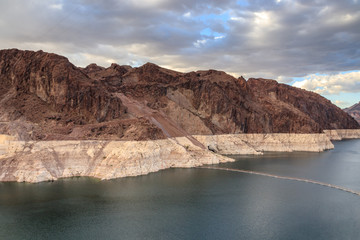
{"x": 312, "y": 111}
{"x": 57, "y": 82}
{"x": 51, "y": 97}
{"x": 44, "y": 96}
{"x": 354, "y": 111}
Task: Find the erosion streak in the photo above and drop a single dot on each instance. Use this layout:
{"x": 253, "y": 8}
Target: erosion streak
{"x": 287, "y": 178}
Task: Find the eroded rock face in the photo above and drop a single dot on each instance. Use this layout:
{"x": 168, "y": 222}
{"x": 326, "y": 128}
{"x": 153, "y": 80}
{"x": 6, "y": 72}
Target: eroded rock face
{"x": 57, "y": 82}
{"x": 354, "y": 111}
{"x": 312, "y": 111}
{"x": 43, "y": 96}
{"x": 36, "y": 161}
{"x": 51, "y": 97}
{"x": 340, "y": 134}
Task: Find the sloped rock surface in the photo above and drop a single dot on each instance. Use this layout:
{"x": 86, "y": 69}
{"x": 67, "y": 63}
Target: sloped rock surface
{"x": 45, "y": 97}
{"x": 354, "y": 111}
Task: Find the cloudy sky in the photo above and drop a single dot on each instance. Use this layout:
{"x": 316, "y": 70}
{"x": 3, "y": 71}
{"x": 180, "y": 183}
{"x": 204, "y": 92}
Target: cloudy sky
{"x": 313, "y": 44}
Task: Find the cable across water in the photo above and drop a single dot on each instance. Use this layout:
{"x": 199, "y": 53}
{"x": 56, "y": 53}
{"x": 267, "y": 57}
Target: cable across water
{"x": 284, "y": 177}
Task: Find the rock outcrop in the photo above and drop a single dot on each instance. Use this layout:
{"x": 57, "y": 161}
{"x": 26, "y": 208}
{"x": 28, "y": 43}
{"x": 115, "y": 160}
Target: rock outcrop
{"x": 36, "y": 161}
{"x": 258, "y": 143}
{"x": 57, "y": 83}
{"x": 308, "y": 107}
{"x": 163, "y": 118}
{"x": 45, "y": 97}
{"x": 354, "y": 111}
{"x": 340, "y": 134}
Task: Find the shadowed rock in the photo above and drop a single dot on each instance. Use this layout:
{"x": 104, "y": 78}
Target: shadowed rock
{"x": 354, "y": 111}
{"x": 44, "y": 96}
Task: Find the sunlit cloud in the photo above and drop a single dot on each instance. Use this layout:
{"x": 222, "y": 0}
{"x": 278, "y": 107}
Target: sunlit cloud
{"x": 341, "y": 104}
{"x": 187, "y": 14}
{"x": 200, "y": 43}
{"x": 56, "y": 6}
{"x": 331, "y": 84}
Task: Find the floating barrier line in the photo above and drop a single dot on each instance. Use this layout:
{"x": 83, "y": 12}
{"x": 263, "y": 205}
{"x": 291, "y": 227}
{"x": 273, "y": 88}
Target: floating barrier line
{"x": 286, "y": 178}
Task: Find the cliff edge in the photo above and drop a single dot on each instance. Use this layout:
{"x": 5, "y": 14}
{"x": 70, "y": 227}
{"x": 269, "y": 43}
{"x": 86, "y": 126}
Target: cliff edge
{"x": 36, "y": 161}
{"x": 354, "y": 111}
{"x": 45, "y": 97}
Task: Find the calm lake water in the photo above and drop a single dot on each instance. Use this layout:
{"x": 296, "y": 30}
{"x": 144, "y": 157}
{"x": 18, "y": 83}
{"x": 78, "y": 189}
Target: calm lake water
{"x": 196, "y": 203}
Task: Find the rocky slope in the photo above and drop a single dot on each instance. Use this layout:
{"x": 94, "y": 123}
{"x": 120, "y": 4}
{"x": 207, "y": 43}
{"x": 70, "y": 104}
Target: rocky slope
{"x": 44, "y": 97}
{"x": 354, "y": 111}
{"x": 340, "y": 134}
{"x": 36, "y": 161}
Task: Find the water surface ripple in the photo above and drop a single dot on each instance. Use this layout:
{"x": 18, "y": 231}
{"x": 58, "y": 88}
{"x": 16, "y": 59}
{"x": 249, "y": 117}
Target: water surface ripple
{"x": 196, "y": 203}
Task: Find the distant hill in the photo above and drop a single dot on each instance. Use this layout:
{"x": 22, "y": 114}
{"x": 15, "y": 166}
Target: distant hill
{"x": 43, "y": 97}
{"x": 354, "y": 111}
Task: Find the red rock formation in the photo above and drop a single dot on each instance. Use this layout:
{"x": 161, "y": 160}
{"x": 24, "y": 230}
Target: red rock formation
{"x": 310, "y": 109}
{"x": 354, "y": 111}
{"x": 57, "y": 82}
{"x": 44, "y": 96}
{"x": 51, "y": 97}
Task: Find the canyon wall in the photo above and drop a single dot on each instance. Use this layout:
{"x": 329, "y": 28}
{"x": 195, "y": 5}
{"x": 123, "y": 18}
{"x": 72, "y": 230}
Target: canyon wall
{"x": 354, "y": 111}
{"x": 340, "y": 134}
{"x": 36, "y": 161}
{"x": 272, "y": 142}
{"x": 45, "y": 97}
{"x": 123, "y": 121}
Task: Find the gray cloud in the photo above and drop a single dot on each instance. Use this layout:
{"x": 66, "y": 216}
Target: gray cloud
{"x": 261, "y": 38}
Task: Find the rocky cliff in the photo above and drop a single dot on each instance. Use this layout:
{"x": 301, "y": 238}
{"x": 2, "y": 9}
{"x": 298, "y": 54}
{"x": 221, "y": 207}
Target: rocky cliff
{"x": 340, "y": 134}
{"x": 354, "y": 111}
{"x": 36, "y": 161}
{"x": 45, "y": 97}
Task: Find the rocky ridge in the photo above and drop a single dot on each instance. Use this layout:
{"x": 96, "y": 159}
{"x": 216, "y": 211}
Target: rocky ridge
{"x": 36, "y": 161}
{"x": 60, "y": 120}
{"x": 354, "y": 111}
{"x": 45, "y": 97}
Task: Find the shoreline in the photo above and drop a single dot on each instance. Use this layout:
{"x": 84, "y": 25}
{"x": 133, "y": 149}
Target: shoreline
{"x": 38, "y": 161}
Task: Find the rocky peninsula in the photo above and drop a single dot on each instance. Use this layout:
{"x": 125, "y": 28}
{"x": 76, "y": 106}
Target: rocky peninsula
{"x": 58, "y": 120}
{"x": 36, "y": 161}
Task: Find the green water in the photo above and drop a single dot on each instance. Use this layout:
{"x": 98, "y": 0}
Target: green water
{"x": 195, "y": 203}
